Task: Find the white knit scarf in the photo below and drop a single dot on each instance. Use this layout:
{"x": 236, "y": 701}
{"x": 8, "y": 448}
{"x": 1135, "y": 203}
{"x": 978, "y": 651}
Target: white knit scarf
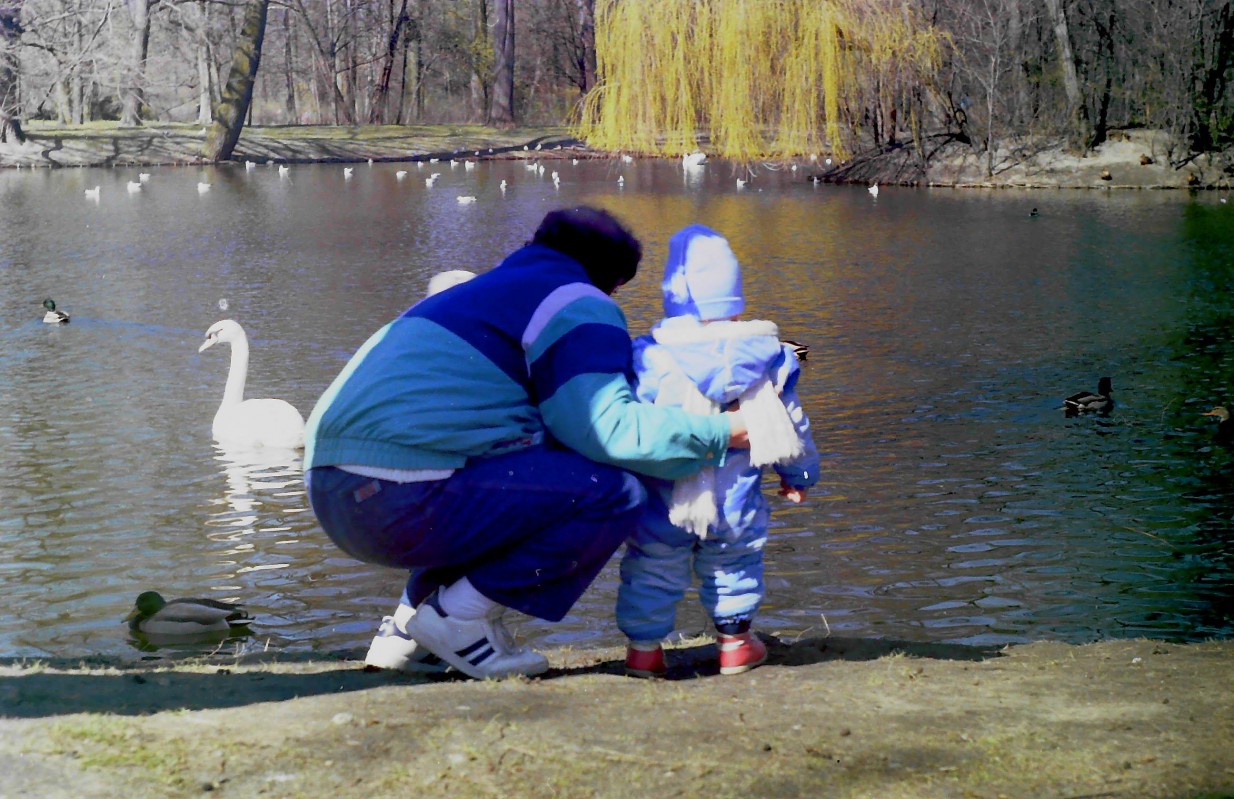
{"x": 773, "y": 438}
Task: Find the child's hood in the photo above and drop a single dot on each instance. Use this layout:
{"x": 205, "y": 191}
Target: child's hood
{"x": 722, "y": 358}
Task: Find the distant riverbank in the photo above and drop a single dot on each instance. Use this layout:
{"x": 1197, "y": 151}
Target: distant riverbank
{"x": 1137, "y": 159}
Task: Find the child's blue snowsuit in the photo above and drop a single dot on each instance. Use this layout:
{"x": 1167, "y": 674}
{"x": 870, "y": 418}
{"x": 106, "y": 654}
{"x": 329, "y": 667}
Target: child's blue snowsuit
{"x": 656, "y": 568}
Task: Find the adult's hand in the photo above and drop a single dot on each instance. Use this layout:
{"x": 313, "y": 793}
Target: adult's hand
{"x": 739, "y": 437}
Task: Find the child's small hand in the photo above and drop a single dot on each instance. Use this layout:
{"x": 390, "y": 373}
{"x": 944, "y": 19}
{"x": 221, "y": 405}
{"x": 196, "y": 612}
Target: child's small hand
{"x": 793, "y": 495}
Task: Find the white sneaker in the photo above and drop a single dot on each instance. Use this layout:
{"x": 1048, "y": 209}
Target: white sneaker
{"x": 393, "y": 648}
{"x": 480, "y": 648}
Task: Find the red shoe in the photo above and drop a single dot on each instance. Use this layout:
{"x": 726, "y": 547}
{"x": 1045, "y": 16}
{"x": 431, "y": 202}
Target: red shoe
{"x": 740, "y": 653}
{"x": 645, "y": 663}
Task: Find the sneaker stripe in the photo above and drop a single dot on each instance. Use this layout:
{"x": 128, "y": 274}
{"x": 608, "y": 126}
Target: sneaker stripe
{"x": 482, "y": 656}
{"x": 467, "y": 650}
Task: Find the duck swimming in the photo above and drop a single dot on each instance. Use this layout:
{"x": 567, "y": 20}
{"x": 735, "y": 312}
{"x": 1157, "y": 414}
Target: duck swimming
{"x": 155, "y": 615}
{"x": 54, "y": 317}
{"x": 1225, "y": 425}
{"x": 1088, "y": 402}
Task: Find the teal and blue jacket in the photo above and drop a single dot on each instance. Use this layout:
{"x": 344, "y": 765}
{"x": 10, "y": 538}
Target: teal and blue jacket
{"x": 528, "y": 352}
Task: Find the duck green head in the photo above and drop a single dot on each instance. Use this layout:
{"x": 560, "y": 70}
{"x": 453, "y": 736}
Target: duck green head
{"x": 49, "y": 305}
{"x": 148, "y": 603}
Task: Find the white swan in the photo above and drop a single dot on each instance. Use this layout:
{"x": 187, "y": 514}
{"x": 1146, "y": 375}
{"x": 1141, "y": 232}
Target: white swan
{"x": 696, "y": 158}
{"x": 254, "y": 422}
{"x": 873, "y": 189}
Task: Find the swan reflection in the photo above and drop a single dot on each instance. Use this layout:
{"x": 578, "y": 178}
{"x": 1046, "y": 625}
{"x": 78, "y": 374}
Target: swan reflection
{"x": 263, "y": 486}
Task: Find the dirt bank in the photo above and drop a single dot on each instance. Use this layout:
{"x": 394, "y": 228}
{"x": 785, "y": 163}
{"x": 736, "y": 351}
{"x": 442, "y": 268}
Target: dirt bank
{"x": 826, "y": 718}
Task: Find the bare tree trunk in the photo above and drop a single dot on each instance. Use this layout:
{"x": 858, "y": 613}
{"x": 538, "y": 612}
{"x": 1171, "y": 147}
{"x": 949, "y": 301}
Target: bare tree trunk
{"x": 139, "y": 11}
{"x": 333, "y": 62}
{"x": 1081, "y": 132}
{"x": 480, "y": 64}
{"x": 293, "y": 115}
{"x": 587, "y": 44}
{"x": 1019, "y": 88}
{"x": 10, "y": 66}
{"x": 1211, "y": 82}
{"x": 1105, "y": 32}
{"x": 413, "y": 72}
{"x": 501, "y": 110}
{"x": 60, "y": 94}
{"x": 205, "y": 74}
{"x": 381, "y": 97}
{"x": 238, "y": 94}
{"x": 325, "y": 59}
{"x": 77, "y": 94}
{"x": 350, "y": 65}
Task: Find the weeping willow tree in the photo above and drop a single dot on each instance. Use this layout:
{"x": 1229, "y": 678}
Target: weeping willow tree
{"x": 764, "y": 78}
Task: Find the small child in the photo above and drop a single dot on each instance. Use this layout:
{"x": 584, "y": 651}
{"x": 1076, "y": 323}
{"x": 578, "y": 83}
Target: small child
{"x": 700, "y": 359}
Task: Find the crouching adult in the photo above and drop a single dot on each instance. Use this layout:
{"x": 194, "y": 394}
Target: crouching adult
{"x": 484, "y": 440}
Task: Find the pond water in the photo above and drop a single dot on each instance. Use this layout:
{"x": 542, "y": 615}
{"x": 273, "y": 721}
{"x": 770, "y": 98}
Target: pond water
{"x": 958, "y": 503}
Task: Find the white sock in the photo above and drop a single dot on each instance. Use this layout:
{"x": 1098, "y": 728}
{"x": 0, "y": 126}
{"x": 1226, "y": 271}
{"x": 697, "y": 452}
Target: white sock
{"x": 463, "y": 601}
{"x": 645, "y": 646}
{"x": 403, "y": 614}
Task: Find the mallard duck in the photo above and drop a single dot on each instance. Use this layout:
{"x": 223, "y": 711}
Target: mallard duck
{"x": 253, "y": 422}
{"x": 800, "y": 350}
{"x": 54, "y": 317}
{"x": 1225, "y": 425}
{"x": 155, "y": 615}
{"x": 1088, "y": 402}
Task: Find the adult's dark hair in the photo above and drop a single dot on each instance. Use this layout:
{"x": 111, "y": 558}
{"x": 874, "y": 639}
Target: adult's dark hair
{"x": 596, "y": 239}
